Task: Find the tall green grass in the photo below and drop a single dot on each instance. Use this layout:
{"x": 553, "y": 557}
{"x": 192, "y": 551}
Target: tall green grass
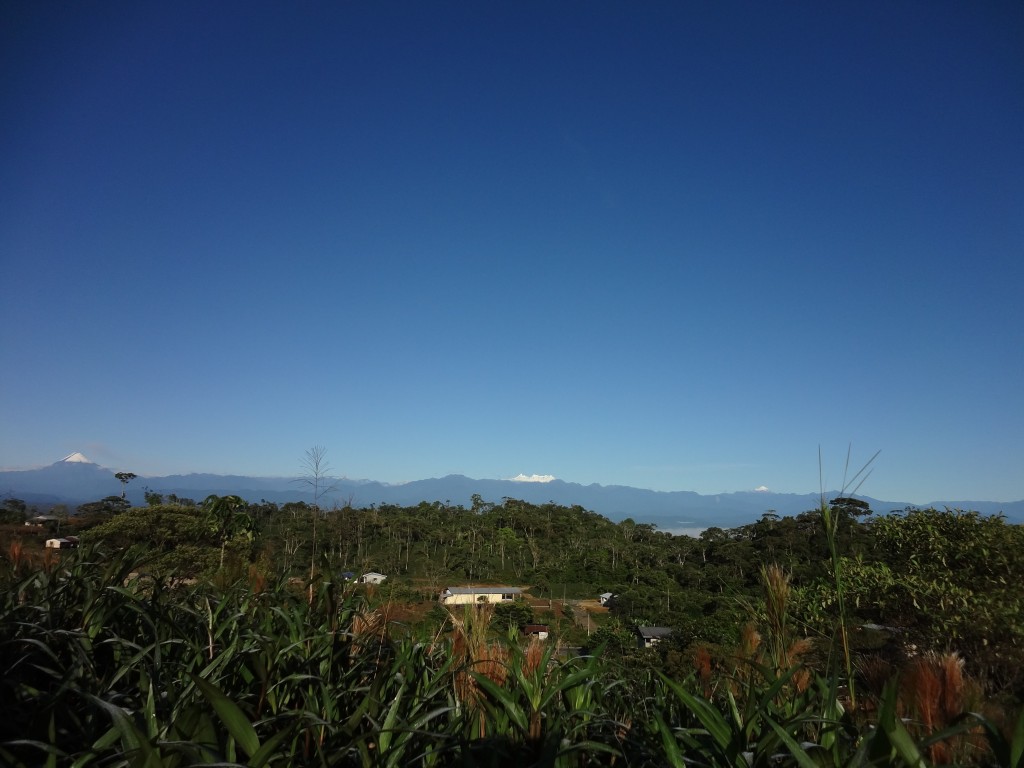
{"x": 830, "y": 522}
{"x": 102, "y": 665}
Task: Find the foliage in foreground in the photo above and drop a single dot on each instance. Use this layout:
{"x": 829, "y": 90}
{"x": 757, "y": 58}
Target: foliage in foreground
{"x": 927, "y": 580}
{"x": 101, "y": 665}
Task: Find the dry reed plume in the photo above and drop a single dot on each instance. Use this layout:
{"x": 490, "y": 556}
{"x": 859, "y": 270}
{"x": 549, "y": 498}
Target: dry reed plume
{"x": 475, "y": 653}
{"x": 935, "y": 691}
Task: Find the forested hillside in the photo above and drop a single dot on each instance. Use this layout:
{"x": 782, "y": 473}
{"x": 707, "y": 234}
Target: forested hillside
{"x": 834, "y": 594}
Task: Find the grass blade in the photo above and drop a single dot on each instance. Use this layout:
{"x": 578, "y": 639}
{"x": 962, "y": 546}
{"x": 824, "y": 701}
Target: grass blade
{"x": 233, "y": 718}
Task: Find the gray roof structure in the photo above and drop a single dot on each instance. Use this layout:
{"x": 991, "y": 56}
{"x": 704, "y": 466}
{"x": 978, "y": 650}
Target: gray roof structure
{"x": 654, "y": 633}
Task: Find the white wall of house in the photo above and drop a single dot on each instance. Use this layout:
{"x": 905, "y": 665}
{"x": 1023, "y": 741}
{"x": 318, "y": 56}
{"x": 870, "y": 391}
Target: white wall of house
{"x": 479, "y": 596}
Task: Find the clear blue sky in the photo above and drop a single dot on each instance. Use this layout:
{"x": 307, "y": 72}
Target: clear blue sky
{"x": 670, "y": 245}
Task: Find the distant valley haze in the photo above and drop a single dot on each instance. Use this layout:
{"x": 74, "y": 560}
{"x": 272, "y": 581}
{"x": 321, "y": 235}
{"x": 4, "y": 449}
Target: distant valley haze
{"x": 75, "y": 480}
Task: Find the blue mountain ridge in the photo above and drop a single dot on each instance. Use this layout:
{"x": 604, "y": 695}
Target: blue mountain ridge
{"x": 74, "y": 483}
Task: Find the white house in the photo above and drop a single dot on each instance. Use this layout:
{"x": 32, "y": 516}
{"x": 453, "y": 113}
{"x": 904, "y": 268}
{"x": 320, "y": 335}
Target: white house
{"x": 472, "y": 595}
{"x": 648, "y": 637}
{"x": 61, "y": 543}
{"x": 372, "y": 578}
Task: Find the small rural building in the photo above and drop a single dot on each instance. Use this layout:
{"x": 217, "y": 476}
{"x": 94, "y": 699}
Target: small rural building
{"x": 540, "y": 631}
{"x": 648, "y": 637}
{"x": 605, "y": 597}
{"x": 40, "y": 521}
{"x": 372, "y": 578}
{"x": 68, "y": 543}
{"x": 472, "y": 595}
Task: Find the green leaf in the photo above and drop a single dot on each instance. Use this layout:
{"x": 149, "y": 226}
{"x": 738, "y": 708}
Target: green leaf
{"x": 51, "y": 759}
{"x": 1017, "y": 744}
{"x": 262, "y": 755}
{"x": 131, "y": 738}
{"x": 1009, "y": 753}
{"x": 668, "y": 742}
{"x": 899, "y": 740}
{"x": 509, "y": 705}
{"x": 714, "y": 723}
{"x": 234, "y": 720}
{"x": 795, "y": 749}
{"x": 387, "y": 730}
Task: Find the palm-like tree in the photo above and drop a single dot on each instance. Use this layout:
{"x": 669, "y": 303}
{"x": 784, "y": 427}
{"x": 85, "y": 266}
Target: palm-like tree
{"x": 125, "y": 477}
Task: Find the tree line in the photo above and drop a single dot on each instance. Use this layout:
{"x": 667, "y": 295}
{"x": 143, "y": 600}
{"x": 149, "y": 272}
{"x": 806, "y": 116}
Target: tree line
{"x": 923, "y": 578}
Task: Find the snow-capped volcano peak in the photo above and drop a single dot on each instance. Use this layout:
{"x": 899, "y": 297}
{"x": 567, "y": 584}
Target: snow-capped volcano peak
{"x": 75, "y": 458}
{"x": 521, "y": 478}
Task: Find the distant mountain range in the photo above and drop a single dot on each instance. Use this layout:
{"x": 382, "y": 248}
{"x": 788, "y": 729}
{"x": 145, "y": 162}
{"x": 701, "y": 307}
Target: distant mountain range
{"x": 75, "y": 480}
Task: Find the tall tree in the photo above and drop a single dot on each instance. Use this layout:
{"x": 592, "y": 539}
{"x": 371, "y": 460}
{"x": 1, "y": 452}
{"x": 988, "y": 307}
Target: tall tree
{"x": 125, "y": 478}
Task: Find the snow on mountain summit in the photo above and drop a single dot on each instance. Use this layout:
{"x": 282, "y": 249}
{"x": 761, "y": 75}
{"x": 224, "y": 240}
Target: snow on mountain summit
{"x": 75, "y": 458}
{"x": 521, "y": 478}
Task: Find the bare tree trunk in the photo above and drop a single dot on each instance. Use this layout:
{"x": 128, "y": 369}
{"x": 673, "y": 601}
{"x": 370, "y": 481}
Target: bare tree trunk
{"x": 316, "y": 477}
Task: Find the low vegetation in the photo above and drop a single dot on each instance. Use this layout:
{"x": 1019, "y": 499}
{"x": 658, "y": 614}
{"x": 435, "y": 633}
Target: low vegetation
{"x": 184, "y": 634}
